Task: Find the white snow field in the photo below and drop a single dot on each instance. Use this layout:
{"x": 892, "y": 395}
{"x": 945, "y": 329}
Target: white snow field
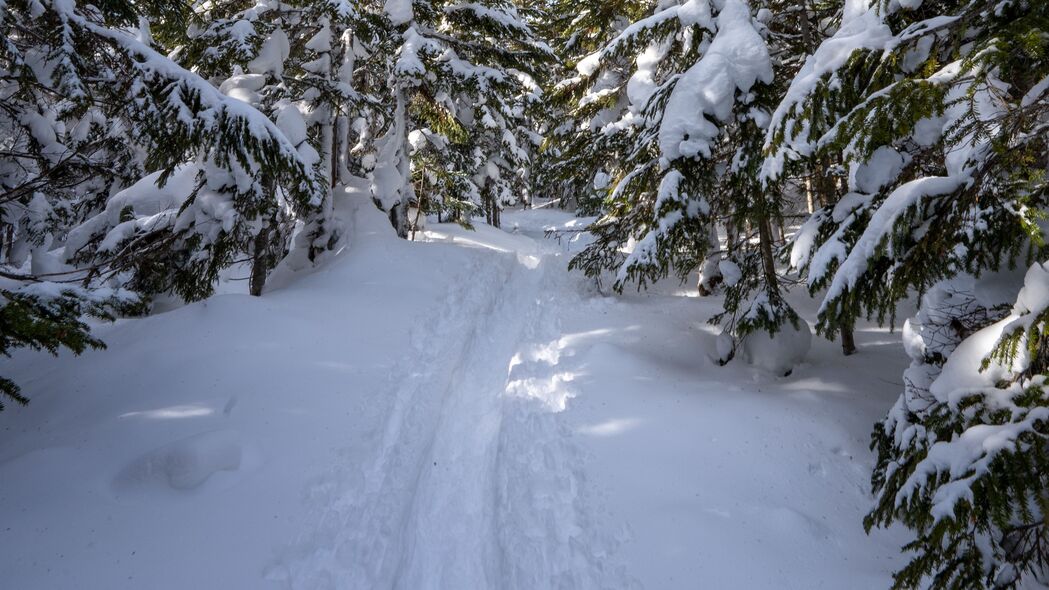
{"x": 459, "y": 413}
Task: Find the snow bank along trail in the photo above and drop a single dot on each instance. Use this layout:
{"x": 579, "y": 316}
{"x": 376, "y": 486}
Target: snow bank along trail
{"x": 473, "y": 483}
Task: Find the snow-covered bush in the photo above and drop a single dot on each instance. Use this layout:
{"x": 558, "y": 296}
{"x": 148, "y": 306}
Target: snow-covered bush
{"x": 779, "y": 352}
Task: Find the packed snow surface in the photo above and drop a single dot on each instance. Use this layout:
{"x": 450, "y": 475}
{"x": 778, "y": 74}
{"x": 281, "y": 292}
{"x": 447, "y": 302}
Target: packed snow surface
{"x": 455, "y": 412}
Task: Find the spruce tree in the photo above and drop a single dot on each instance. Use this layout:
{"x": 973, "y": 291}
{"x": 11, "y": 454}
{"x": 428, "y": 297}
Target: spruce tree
{"x": 96, "y": 122}
{"x": 577, "y": 155}
{"x": 682, "y": 98}
{"x": 239, "y": 181}
{"x": 938, "y": 113}
{"x": 294, "y": 62}
{"x": 457, "y": 136}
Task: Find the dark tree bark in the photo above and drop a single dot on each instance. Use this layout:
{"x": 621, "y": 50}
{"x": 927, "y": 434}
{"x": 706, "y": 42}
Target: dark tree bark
{"x": 260, "y": 262}
{"x": 768, "y": 260}
{"x": 848, "y": 341}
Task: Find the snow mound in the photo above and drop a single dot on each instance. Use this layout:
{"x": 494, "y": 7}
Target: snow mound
{"x": 185, "y": 464}
{"x": 777, "y": 353}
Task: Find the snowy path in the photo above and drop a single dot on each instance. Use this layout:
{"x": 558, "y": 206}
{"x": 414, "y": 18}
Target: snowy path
{"x": 473, "y": 483}
{"x": 458, "y": 413}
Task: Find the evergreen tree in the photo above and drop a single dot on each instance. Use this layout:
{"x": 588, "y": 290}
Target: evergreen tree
{"x": 577, "y": 156}
{"x": 294, "y": 62}
{"x": 237, "y": 184}
{"x": 90, "y": 108}
{"x": 938, "y": 112}
{"x": 683, "y": 129}
{"x": 457, "y": 136}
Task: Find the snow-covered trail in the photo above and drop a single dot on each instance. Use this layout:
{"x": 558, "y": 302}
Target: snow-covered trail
{"x": 472, "y": 483}
{"x": 460, "y": 412}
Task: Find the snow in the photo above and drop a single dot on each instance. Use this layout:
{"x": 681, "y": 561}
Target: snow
{"x": 399, "y": 11}
{"x": 862, "y": 27}
{"x": 777, "y": 353}
{"x": 696, "y": 12}
{"x": 455, "y": 412}
{"x": 184, "y": 464}
{"x": 643, "y": 82}
{"x": 730, "y": 271}
{"x": 272, "y": 55}
{"x": 321, "y": 41}
{"x": 1034, "y": 296}
{"x": 408, "y": 59}
{"x": 963, "y": 371}
{"x": 881, "y": 169}
{"x": 244, "y": 87}
{"x": 1035, "y": 93}
{"x": 736, "y": 59}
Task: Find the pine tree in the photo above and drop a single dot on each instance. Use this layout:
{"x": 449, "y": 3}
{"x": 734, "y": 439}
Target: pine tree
{"x": 89, "y": 110}
{"x": 577, "y": 156}
{"x": 683, "y": 128}
{"x": 457, "y": 136}
{"x": 938, "y": 112}
{"x": 294, "y": 62}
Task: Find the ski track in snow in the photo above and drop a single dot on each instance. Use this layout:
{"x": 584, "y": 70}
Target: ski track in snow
{"x": 475, "y": 482}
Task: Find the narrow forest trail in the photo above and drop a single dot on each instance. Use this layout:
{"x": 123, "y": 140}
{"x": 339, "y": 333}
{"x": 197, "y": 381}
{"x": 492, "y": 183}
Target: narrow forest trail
{"x": 472, "y": 482}
{"x": 461, "y": 412}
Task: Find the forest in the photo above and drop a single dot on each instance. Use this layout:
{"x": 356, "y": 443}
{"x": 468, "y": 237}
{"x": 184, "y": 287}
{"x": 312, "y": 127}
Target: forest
{"x": 524, "y": 294}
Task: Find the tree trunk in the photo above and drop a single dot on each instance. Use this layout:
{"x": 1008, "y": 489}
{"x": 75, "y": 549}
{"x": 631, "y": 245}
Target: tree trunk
{"x": 346, "y": 66}
{"x": 404, "y": 164}
{"x": 827, "y": 186}
{"x": 768, "y": 261}
{"x": 260, "y": 263}
{"x": 328, "y": 148}
{"x": 807, "y": 37}
{"x": 809, "y": 199}
{"x": 848, "y": 341}
{"x": 342, "y": 148}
